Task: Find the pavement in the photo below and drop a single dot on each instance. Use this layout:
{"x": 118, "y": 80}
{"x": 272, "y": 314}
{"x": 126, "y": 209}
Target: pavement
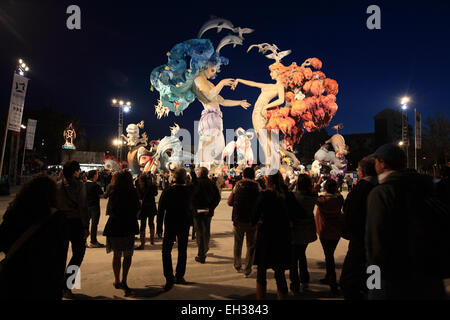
{"x": 214, "y": 280}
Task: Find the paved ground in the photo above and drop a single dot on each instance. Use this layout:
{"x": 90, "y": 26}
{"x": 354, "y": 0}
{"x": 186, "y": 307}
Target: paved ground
{"x": 216, "y": 279}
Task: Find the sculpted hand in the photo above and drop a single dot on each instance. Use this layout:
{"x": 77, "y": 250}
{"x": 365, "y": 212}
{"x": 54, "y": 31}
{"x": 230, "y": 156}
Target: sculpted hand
{"x": 226, "y": 82}
{"x": 234, "y": 85}
{"x": 245, "y": 104}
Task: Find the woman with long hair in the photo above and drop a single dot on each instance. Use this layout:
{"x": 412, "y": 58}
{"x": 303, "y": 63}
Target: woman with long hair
{"x": 34, "y": 238}
{"x": 147, "y": 192}
{"x": 329, "y": 228}
{"x": 273, "y": 235}
{"x": 122, "y": 225}
{"x": 304, "y": 232}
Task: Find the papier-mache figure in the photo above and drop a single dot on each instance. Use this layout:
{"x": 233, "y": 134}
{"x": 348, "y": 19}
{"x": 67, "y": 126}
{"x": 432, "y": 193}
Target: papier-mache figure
{"x": 69, "y": 135}
{"x": 303, "y": 93}
{"x": 169, "y": 154}
{"x": 243, "y": 146}
{"x": 333, "y": 159}
{"x": 191, "y": 65}
{"x": 132, "y": 137}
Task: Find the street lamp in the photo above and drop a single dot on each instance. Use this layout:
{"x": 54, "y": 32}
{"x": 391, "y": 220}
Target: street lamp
{"x": 22, "y": 67}
{"x": 405, "y": 136}
{"x": 123, "y": 107}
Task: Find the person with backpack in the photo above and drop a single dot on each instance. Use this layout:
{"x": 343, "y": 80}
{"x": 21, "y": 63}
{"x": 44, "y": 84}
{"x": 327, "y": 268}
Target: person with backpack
{"x": 354, "y": 276}
{"x": 405, "y": 231}
{"x": 205, "y": 199}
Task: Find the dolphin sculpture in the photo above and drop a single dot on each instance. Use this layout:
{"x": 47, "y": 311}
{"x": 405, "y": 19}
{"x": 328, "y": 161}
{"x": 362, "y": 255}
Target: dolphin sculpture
{"x": 215, "y": 23}
{"x": 230, "y": 39}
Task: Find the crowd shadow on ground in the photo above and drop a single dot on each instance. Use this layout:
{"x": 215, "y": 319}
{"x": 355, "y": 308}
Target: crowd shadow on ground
{"x": 225, "y": 292}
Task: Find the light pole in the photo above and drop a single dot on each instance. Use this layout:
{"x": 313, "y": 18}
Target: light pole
{"x": 18, "y": 92}
{"x": 405, "y": 136}
{"x": 123, "y": 107}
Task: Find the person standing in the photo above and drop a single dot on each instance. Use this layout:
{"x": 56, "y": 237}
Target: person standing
{"x": 273, "y": 242}
{"x": 72, "y": 200}
{"x": 353, "y": 277}
{"x": 303, "y": 232}
{"x": 206, "y": 198}
{"x": 147, "y": 191}
{"x": 94, "y": 193}
{"x": 33, "y": 236}
{"x": 329, "y": 228}
{"x": 122, "y": 226}
{"x": 406, "y": 237}
{"x": 175, "y": 212}
{"x": 242, "y": 199}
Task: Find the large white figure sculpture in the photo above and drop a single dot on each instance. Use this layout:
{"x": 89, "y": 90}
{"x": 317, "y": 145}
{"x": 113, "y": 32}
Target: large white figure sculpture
{"x": 132, "y": 137}
{"x": 243, "y": 146}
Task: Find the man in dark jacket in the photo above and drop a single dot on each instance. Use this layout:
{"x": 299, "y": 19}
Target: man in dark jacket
{"x": 72, "y": 200}
{"x": 353, "y": 277}
{"x": 398, "y": 231}
{"x": 94, "y": 193}
{"x": 242, "y": 199}
{"x": 206, "y": 197}
{"x": 175, "y": 209}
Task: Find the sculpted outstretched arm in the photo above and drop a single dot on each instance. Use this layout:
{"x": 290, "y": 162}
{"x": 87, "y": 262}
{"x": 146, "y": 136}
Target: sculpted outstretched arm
{"x": 205, "y": 87}
{"x": 233, "y": 103}
{"x": 247, "y": 83}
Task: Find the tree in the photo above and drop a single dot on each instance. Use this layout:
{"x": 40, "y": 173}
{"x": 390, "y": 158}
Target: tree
{"x": 436, "y": 140}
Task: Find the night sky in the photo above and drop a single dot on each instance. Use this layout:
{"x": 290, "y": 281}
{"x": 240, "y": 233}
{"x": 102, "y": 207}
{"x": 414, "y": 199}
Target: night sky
{"x": 79, "y": 72}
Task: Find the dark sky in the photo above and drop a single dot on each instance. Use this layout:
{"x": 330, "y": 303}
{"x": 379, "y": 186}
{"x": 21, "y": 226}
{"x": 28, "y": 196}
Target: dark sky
{"x": 79, "y": 72}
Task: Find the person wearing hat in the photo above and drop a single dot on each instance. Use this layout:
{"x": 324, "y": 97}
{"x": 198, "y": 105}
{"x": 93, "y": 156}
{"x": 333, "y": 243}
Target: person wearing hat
{"x": 397, "y": 238}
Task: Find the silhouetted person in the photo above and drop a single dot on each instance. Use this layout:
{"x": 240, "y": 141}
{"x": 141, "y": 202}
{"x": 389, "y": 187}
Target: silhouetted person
{"x": 94, "y": 193}
{"x": 34, "y": 238}
{"x": 122, "y": 226}
{"x": 206, "y": 198}
{"x": 147, "y": 191}
{"x": 354, "y": 276}
{"x": 175, "y": 211}
{"x": 403, "y": 233}
{"x": 329, "y": 228}
{"x": 72, "y": 200}
{"x": 242, "y": 199}
{"x": 303, "y": 232}
{"x": 273, "y": 243}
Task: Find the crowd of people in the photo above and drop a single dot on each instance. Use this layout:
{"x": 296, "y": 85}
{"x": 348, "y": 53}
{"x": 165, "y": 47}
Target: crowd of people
{"x": 393, "y": 217}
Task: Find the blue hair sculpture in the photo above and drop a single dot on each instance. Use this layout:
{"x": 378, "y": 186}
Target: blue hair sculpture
{"x": 175, "y": 79}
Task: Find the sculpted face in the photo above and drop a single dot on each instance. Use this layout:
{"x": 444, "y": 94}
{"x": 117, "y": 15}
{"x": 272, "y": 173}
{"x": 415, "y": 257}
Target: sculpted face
{"x": 210, "y": 71}
{"x": 273, "y": 75}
